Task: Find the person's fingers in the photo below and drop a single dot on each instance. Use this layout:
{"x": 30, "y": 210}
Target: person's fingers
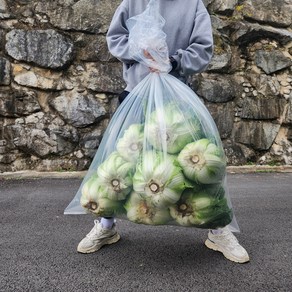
{"x": 153, "y": 70}
{"x": 147, "y": 55}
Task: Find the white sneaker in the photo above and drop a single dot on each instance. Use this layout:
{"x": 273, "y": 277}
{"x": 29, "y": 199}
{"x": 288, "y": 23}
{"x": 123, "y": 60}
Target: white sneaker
{"x": 227, "y": 243}
{"x": 98, "y": 237}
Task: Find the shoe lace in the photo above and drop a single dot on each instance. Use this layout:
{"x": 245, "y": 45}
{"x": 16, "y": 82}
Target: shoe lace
{"x": 94, "y": 232}
{"x": 229, "y": 239}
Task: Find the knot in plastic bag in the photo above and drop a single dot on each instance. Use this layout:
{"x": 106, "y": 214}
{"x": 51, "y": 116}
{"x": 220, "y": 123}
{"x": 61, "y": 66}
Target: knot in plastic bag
{"x": 146, "y": 35}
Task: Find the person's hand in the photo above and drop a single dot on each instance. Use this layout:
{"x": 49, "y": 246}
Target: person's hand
{"x": 148, "y": 56}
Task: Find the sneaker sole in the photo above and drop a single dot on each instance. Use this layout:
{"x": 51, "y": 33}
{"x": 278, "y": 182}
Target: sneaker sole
{"x": 230, "y": 257}
{"x": 115, "y": 238}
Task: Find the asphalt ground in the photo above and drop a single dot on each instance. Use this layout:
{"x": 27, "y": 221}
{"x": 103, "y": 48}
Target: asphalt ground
{"x": 38, "y": 243}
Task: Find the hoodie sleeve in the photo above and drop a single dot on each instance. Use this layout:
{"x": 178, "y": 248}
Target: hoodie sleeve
{"x": 117, "y": 35}
{"x": 196, "y": 57}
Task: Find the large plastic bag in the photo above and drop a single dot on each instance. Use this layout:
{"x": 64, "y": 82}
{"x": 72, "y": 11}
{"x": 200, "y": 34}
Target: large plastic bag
{"x": 161, "y": 160}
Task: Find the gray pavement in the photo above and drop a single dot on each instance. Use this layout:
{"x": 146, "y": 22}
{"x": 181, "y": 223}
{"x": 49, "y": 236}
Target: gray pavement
{"x": 38, "y": 243}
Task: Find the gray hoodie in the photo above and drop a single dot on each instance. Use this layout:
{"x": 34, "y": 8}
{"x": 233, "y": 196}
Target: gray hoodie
{"x": 189, "y": 37}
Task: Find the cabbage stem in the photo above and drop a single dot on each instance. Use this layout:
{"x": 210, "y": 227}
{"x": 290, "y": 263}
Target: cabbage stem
{"x": 91, "y": 205}
{"x": 154, "y": 187}
{"x": 116, "y": 185}
{"x": 185, "y": 210}
{"x": 134, "y": 147}
{"x": 195, "y": 159}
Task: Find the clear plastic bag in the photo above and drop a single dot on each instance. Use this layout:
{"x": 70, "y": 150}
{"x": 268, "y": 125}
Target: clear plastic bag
{"x": 160, "y": 161}
{"x": 146, "y": 34}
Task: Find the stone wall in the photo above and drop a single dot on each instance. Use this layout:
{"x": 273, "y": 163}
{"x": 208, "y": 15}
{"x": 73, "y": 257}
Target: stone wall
{"x": 59, "y": 84}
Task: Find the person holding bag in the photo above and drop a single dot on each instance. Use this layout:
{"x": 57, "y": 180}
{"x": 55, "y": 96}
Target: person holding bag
{"x": 190, "y": 46}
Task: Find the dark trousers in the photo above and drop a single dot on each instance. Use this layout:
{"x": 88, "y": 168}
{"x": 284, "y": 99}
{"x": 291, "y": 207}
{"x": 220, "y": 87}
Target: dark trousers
{"x": 123, "y": 95}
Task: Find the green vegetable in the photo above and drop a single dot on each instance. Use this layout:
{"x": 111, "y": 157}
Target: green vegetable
{"x": 91, "y": 200}
{"x": 141, "y": 210}
{"x": 203, "y": 162}
{"x": 159, "y": 178}
{"x": 169, "y": 129}
{"x": 89, "y": 193}
{"x": 200, "y": 209}
{"x": 115, "y": 177}
{"x": 131, "y": 144}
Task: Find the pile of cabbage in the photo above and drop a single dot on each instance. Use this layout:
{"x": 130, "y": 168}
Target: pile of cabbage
{"x": 163, "y": 171}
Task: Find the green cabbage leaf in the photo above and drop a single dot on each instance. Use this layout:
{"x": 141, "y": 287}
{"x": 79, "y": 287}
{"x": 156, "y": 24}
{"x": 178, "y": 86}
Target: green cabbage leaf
{"x": 203, "y": 162}
{"x": 169, "y": 129}
{"x": 94, "y": 203}
{"x": 115, "y": 176}
{"x": 159, "y": 178}
{"x": 202, "y": 209}
{"x": 130, "y": 144}
{"x": 141, "y": 210}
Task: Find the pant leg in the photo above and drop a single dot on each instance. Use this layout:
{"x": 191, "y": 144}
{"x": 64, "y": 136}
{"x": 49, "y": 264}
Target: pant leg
{"x": 123, "y": 95}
